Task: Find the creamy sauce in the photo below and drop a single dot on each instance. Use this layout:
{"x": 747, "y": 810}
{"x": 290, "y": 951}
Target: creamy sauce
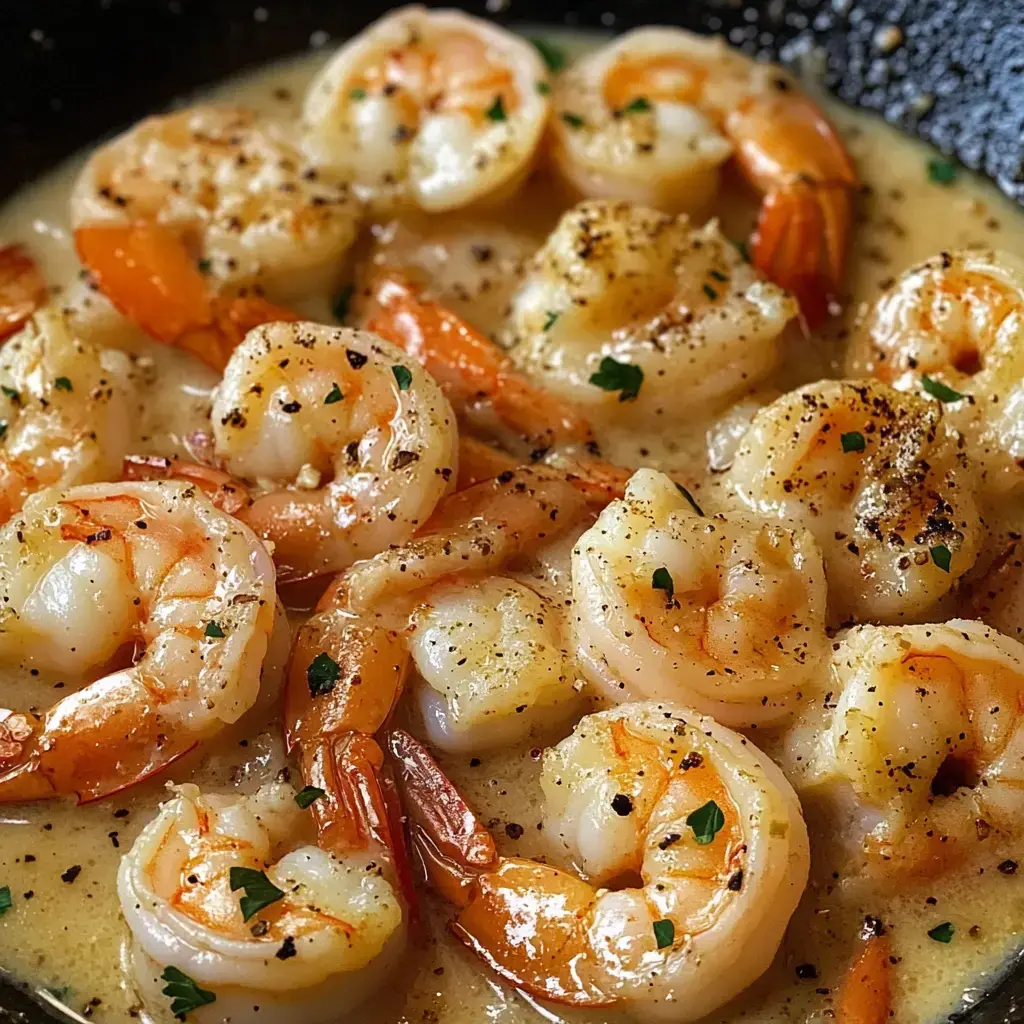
{"x": 64, "y": 933}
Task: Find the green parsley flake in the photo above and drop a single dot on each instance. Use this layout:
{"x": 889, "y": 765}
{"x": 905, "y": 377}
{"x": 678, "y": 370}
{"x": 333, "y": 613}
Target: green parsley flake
{"x": 5, "y": 899}
{"x": 3, "y": 428}
{"x": 690, "y": 498}
{"x": 185, "y": 994}
{"x": 664, "y": 933}
{"x": 496, "y": 111}
{"x": 662, "y": 580}
{"x": 205, "y": 266}
{"x": 942, "y": 932}
{"x": 357, "y": 94}
{"x": 322, "y": 674}
{"x": 942, "y": 556}
{"x": 63, "y": 384}
{"x": 11, "y": 393}
{"x": 334, "y": 395}
{"x": 943, "y": 392}
{"x": 853, "y": 441}
{"x": 260, "y": 891}
{"x": 213, "y": 630}
{"x": 743, "y": 250}
{"x": 403, "y": 376}
{"x": 710, "y": 292}
{"x": 341, "y": 302}
{"x": 622, "y": 377}
{"x": 706, "y": 822}
{"x": 941, "y": 172}
{"x": 307, "y": 795}
{"x": 639, "y": 106}
{"x": 550, "y": 320}
{"x": 552, "y": 55}
{"x": 573, "y": 120}
{"x": 543, "y": 88}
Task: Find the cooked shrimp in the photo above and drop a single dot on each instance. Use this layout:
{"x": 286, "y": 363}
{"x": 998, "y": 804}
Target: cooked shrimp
{"x": 431, "y": 108}
{"x": 653, "y": 115}
{"x": 249, "y": 208}
{"x": 865, "y": 996}
{"x": 226, "y": 493}
{"x": 474, "y": 373}
{"x": 329, "y": 935}
{"x": 66, "y": 411}
{"x": 354, "y": 446}
{"x": 723, "y": 613}
{"x": 674, "y": 311}
{"x": 882, "y": 483}
{"x": 705, "y": 820}
{"x": 997, "y": 598}
{"x": 492, "y": 657}
{"x": 22, "y": 288}
{"x": 159, "y": 602}
{"x": 958, "y": 319}
{"x": 921, "y": 735}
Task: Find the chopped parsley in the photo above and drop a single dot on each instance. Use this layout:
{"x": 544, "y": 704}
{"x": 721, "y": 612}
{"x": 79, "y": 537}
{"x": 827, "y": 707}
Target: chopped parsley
{"x": 690, "y": 498}
{"x": 941, "y": 172}
{"x": 543, "y": 88}
{"x": 622, "y": 377}
{"x": 5, "y": 899}
{"x": 307, "y": 795}
{"x": 3, "y": 428}
{"x": 743, "y": 250}
{"x": 260, "y": 891}
{"x": 662, "y": 580}
{"x": 706, "y": 822}
{"x": 63, "y": 384}
{"x": 322, "y": 674}
{"x": 213, "y": 630}
{"x": 550, "y": 320}
{"x": 357, "y": 94}
{"x": 710, "y": 292}
{"x": 185, "y": 994}
{"x": 496, "y": 111}
{"x": 552, "y": 55}
{"x": 11, "y": 393}
{"x": 942, "y": 556}
{"x": 942, "y": 932}
{"x": 853, "y": 441}
{"x": 341, "y": 302}
{"x": 943, "y": 392}
{"x": 664, "y": 933}
{"x": 638, "y": 106}
{"x": 205, "y": 266}
{"x": 573, "y": 120}
{"x": 334, "y": 395}
{"x": 403, "y": 377}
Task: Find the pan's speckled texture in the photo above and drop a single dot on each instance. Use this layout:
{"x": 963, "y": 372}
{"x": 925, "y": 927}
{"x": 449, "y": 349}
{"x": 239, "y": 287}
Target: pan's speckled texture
{"x": 950, "y": 71}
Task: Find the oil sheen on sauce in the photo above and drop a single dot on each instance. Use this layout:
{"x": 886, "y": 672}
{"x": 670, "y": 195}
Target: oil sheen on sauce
{"x": 64, "y": 935}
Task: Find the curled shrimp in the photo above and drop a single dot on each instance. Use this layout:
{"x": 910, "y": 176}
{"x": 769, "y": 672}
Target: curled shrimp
{"x": 624, "y": 283}
{"x": 22, "y": 288}
{"x": 66, "y": 411}
{"x": 158, "y": 602}
{"x": 226, "y": 493}
{"x": 233, "y": 188}
{"x": 327, "y": 939}
{"x": 352, "y": 445}
{"x": 703, "y": 819}
{"x": 436, "y": 109}
{"x": 920, "y": 737}
{"x": 724, "y": 613}
{"x": 882, "y": 483}
{"x": 653, "y": 115}
{"x": 958, "y": 319}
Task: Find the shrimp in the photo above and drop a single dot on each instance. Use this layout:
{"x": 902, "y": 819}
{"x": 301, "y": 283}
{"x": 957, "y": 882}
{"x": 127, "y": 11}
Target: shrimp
{"x": 226, "y": 493}
{"x": 921, "y": 736}
{"x": 247, "y": 206}
{"x": 354, "y": 448}
{"x": 159, "y": 602}
{"x": 652, "y": 117}
{"x": 879, "y": 479}
{"x": 434, "y": 109}
{"x": 617, "y": 283}
{"x": 22, "y": 288}
{"x": 723, "y": 613}
{"x": 329, "y": 935}
{"x": 66, "y": 411}
{"x": 958, "y": 319}
{"x": 703, "y": 819}
{"x": 998, "y": 597}
{"x": 865, "y": 996}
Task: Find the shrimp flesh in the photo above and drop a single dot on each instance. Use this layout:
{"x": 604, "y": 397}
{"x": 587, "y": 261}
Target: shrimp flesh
{"x": 958, "y": 320}
{"x": 434, "y": 109}
{"x": 352, "y": 445}
{"x": 677, "y": 304}
{"x": 161, "y": 604}
{"x": 921, "y": 735}
{"x": 22, "y": 288}
{"x": 329, "y": 936}
{"x": 652, "y": 117}
{"x": 723, "y": 613}
{"x": 879, "y": 479}
{"x": 66, "y": 411}
{"x": 708, "y": 824}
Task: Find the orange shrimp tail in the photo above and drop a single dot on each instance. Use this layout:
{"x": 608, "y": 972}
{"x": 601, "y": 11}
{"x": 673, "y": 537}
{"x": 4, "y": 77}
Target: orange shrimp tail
{"x": 865, "y": 995}
{"x": 469, "y": 367}
{"x": 22, "y": 288}
{"x": 227, "y": 493}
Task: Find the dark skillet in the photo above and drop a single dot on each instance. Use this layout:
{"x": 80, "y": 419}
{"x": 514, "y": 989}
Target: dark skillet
{"x": 73, "y": 71}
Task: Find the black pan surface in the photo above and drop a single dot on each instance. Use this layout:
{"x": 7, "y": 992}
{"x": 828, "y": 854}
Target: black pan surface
{"x": 73, "y": 71}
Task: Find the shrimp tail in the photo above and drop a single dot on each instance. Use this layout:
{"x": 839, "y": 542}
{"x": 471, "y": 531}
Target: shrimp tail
{"x": 22, "y": 288}
{"x": 864, "y": 995}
